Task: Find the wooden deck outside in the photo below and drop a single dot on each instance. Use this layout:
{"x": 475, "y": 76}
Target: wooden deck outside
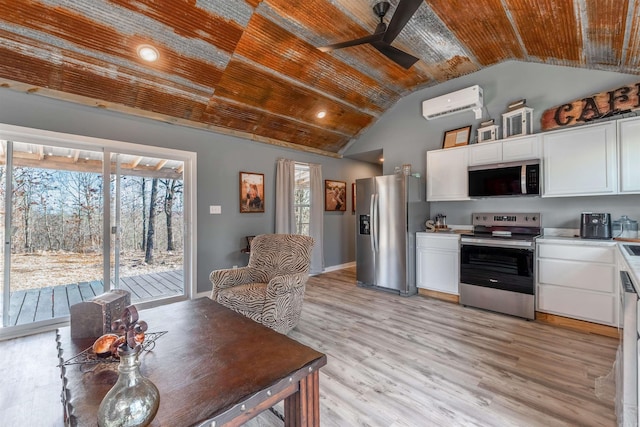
{"x": 47, "y": 303}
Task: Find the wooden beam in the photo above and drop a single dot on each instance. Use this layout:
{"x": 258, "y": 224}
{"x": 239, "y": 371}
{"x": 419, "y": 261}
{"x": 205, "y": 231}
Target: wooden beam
{"x": 160, "y": 164}
{"x": 83, "y": 165}
{"x": 135, "y": 162}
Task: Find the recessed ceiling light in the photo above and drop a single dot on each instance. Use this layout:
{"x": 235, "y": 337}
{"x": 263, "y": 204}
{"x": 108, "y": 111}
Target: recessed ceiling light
{"x": 148, "y": 53}
{"x": 321, "y": 114}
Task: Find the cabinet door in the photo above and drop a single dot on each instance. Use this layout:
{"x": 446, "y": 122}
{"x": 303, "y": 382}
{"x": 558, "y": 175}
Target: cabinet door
{"x": 629, "y": 145}
{"x": 580, "y": 162}
{"x": 591, "y": 306}
{"x": 447, "y": 174}
{"x": 437, "y": 270}
{"x": 579, "y": 275}
{"x": 524, "y": 148}
{"x": 485, "y": 153}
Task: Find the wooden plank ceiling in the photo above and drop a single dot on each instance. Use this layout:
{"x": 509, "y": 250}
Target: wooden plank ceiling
{"x": 252, "y": 68}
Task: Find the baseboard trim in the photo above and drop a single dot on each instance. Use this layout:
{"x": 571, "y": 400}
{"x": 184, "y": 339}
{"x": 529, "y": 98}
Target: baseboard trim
{"x": 337, "y": 267}
{"x": 439, "y": 295}
{"x": 578, "y": 325}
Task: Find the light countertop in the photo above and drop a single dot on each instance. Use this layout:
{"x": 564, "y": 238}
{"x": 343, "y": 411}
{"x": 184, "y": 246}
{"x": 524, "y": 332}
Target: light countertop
{"x": 575, "y": 241}
{"x": 632, "y": 263}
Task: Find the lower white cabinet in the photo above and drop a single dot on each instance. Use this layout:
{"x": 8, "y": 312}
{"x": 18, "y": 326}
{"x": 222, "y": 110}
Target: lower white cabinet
{"x": 578, "y": 280}
{"x": 438, "y": 262}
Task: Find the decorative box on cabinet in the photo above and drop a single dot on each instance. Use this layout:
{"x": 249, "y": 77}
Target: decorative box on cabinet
{"x": 578, "y": 280}
{"x": 438, "y": 262}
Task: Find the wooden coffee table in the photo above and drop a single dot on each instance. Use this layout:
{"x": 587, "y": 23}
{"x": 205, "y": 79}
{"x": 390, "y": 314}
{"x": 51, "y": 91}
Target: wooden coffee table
{"x": 214, "y": 367}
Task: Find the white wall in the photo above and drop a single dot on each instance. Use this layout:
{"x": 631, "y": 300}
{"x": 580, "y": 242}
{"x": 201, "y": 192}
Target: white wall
{"x": 405, "y": 136}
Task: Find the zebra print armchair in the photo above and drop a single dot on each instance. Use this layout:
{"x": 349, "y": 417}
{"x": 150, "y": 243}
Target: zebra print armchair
{"x": 270, "y": 289}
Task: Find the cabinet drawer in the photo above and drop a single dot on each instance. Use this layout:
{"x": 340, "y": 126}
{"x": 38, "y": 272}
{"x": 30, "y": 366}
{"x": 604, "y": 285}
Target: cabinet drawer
{"x": 437, "y": 242}
{"x": 579, "y": 275}
{"x": 601, "y": 254}
{"x": 574, "y": 303}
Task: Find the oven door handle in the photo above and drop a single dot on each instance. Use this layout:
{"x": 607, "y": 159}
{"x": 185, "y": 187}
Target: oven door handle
{"x": 526, "y": 247}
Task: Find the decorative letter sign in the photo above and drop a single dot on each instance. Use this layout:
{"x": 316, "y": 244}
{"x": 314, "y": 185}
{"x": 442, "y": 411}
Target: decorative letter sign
{"x": 600, "y": 105}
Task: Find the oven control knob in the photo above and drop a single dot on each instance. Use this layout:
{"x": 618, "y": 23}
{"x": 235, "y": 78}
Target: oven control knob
{"x": 526, "y": 218}
{"x": 533, "y": 218}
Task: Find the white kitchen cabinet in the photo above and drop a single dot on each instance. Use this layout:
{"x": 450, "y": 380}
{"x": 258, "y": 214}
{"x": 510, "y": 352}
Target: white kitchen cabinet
{"x": 485, "y": 153}
{"x": 580, "y": 161}
{"x": 578, "y": 279}
{"x": 629, "y": 149}
{"x": 438, "y": 262}
{"x": 511, "y": 150}
{"x": 521, "y": 148}
{"x": 447, "y": 174}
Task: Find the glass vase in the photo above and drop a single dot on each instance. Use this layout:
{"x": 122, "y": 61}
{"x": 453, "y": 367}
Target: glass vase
{"x": 133, "y": 400}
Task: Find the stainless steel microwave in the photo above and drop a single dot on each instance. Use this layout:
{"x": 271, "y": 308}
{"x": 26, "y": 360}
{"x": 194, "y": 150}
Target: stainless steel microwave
{"x": 505, "y": 179}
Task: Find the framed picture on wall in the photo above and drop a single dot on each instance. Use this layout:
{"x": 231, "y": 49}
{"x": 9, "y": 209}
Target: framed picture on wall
{"x": 335, "y": 195}
{"x": 251, "y": 192}
{"x": 456, "y": 137}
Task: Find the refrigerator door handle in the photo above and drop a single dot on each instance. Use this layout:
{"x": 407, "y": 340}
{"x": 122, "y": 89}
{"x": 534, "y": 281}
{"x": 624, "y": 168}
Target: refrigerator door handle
{"x": 374, "y": 222}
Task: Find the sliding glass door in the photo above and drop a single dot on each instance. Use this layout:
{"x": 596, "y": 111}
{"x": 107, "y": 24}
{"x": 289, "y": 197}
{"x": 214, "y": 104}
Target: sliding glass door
{"x": 147, "y": 217}
{"x": 78, "y": 220}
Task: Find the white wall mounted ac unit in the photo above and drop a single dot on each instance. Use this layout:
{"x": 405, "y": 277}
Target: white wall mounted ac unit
{"x": 454, "y": 102}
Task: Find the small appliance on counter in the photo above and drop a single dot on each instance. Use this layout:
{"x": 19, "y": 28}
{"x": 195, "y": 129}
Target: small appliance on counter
{"x": 595, "y": 225}
{"x": 625, "y": 228}
{"x": 439, "y": 224}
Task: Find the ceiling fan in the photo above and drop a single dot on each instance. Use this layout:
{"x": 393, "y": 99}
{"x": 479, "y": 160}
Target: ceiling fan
{"x": 383, "y": 35}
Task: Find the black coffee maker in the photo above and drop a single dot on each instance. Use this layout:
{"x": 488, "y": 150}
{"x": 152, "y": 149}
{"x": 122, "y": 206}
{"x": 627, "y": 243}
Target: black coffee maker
{"x": 595, "y": 225}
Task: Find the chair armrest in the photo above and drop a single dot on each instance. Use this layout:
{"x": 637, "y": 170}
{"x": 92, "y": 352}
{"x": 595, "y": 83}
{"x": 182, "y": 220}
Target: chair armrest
{"x": 227, "y": 278}
{"x": 286, "y": 283}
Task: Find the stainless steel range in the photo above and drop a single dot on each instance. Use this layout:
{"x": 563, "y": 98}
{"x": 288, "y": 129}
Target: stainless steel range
{"x": 497, "y": 263}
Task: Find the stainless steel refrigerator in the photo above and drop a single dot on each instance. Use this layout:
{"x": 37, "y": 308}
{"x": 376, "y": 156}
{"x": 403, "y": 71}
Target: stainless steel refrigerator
{"x": 390, "y": 209}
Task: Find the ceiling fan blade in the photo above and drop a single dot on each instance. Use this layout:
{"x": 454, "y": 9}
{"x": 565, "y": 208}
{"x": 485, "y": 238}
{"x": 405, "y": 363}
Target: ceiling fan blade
{"x": 375, "y": 37}
{"x": 396, "y": 55}
{"x": 404, "y": 12}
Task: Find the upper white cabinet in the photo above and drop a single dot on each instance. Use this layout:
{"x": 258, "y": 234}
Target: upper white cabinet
{"x": 511, "y": 150}
{"x": 447, "y": 174}
{"x": 485, "y": 153}
{"x": 629, "y": 146}
{"x": 522, "y": 148}
{"x": 580, "y": 161}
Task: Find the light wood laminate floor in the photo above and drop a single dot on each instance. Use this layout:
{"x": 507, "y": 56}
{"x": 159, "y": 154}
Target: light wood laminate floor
{"x": 395, "y": 361}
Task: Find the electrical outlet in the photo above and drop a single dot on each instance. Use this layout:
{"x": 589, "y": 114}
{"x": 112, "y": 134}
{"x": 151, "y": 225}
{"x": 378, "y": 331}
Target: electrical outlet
{"x": 235, "y": 266}
{"x": 215, "y": 209}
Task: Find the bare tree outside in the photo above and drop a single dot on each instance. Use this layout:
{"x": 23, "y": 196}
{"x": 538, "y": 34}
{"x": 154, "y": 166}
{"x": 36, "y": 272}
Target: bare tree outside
{"x": 58, "y": 215}
{"x": 151, "y": 229}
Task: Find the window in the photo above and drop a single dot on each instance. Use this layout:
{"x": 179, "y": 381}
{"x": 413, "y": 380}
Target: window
{"x": 302, "y": 198}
